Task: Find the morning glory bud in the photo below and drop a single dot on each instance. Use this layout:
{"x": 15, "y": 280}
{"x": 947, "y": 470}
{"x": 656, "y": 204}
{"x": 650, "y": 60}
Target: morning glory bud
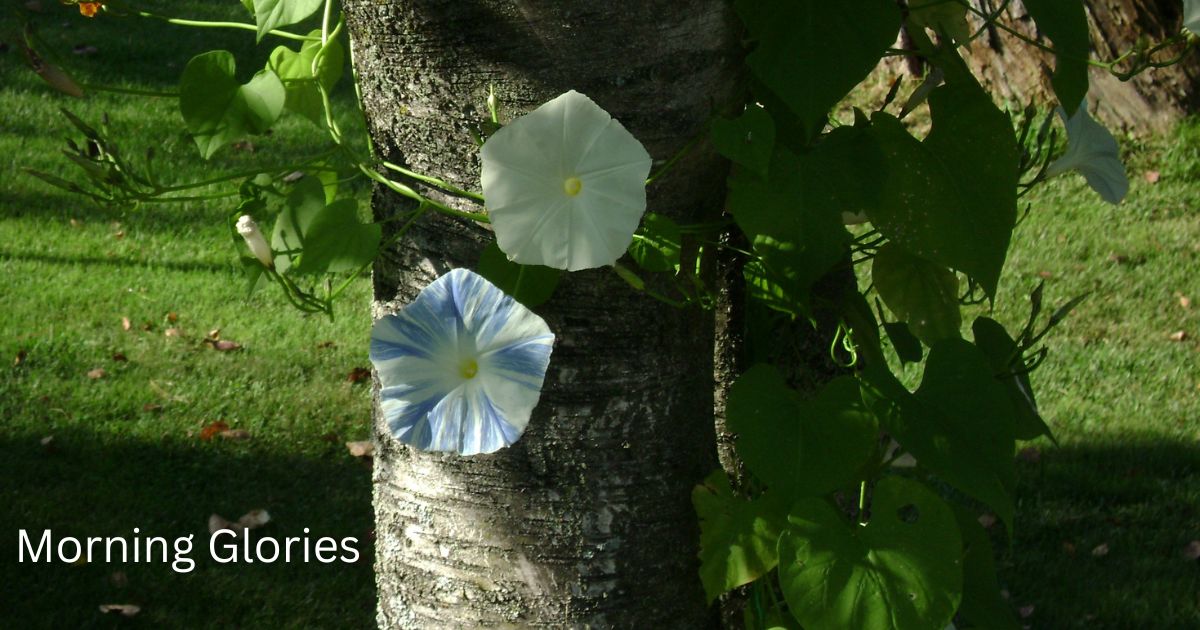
{"x": 255, "y": 241}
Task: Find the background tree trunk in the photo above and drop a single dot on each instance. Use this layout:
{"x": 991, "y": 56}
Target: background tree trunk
{"x": 1152, "y": 101}
{"x": 587, "y": 519}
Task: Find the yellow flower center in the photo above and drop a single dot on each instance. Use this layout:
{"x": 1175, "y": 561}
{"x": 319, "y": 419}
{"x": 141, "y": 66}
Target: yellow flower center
{"x": 468, "y": 368}
{"x": 572, "y": 186}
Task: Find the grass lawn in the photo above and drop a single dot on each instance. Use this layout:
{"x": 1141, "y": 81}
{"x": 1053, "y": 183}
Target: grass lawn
{"x": 1103, "y": 518}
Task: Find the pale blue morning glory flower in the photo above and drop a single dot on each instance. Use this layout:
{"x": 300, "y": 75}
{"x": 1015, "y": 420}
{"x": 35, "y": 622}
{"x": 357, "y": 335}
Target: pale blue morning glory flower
{"x": 1191, "y": 16}
{"x": 1093, "y": 151}
{"x": 461, "y": 368}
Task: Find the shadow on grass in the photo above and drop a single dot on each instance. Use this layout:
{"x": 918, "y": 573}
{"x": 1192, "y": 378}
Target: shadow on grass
{"x": 113, "y": 262}
{"x": 1101, "y": 534}
{"x": 89, "y": 484}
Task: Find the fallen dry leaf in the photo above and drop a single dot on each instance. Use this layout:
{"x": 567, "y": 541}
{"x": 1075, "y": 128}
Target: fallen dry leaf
{"x": 359, "y": 375}
{"x": 210, "y": 431}
{"x": 20, "y": 358}
{"x": 1068, "y": 547}
{"x": 119, "y": 579}
{"x": 224, "y": 345}
{"x": 172, "y": 316}
{"x": 126, "y": 324}
{"x": 293, "y": 177}
{"x": 1099, "y": 551}
{"x": 84, "y": 50}
{"x": 331, "y": 437}
{"x": 147, "y": 326}
{"x": 326, "y": 345}
{"x": 1151, "y": 176}
{"x": 987, "y": 520}
{"x": 254, "y": 518}
{"x": 214, "y": 334}
{"x": 76, "y": 223}
{"x": 1185, "y": 301}
{"x": 235, "y": 434}
{"x": 119, "y": 234}
{"x": 1178, "y": 335}
{"x": 244, "y": 145}
{"x": 125, "y": 610}
{"x": 152, "y": 407}
{"x": 173, "y": 332}
{"x": 1045, "y": 275}
{"x": 119, "y": 357}
{"x": 217, "y": 523}
{"x": 1192, "y": 550}
{"x": 96, "y": 373}
{"x": 1026, "y": 611}
{"x": 362, "y": 448}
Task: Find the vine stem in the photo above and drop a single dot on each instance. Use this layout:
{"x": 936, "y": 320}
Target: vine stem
{"x": 237, "y": 25}
{"x": 121, "y": 90}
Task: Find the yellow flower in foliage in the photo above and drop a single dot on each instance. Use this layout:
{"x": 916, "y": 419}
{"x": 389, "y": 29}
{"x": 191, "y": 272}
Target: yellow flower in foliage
{"x": 89, "y": 9}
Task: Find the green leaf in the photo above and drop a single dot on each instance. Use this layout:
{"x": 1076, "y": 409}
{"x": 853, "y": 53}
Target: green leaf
{"x": 656, "y": 246}
{"x": 794, "y": 218}
{"x": 906, "y": 344}
{"x": 901, "y": 570}
{"x": 337, "y": 241}
{"x": 295, "y": 70}
{"x": 747, "y": 140}
{"x": 951, "y": 199}
{"x": 272, "y": 14}
{"x": 982, "y": 606}
{"x": 1065, "y": 23}
{"x": 959, "y": 423}
{"x": 800, "y": 448}
{"x": 530, "y": 285}
{"x": 1001, "y": 353}
{"x": 812, "y": 52}
{"x": 943, "y": 16}
{"x": 738, "y": 538}
{"x": 301, "y": 207}
{"x": 217, "y": 109}
{"x": 919, "y": 292}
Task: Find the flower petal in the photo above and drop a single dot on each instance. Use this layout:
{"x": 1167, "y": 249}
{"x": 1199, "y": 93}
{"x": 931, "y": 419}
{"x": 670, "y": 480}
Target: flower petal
{"x": 538, "y": 219}
{"x": 427, "y": 397}
{"x": 1093, "y": 151}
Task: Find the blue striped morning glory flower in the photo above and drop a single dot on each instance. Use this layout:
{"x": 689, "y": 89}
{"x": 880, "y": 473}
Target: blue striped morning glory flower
{"x": 461, "y": 368}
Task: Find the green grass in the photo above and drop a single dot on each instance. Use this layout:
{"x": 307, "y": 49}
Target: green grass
{"x": 114, "y": 463}
{"x": 1120, "y": 395}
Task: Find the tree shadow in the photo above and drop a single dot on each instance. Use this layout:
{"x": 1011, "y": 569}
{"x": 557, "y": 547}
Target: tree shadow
{"x": 92, "y": 484}
{"x": 1100, "y": 536}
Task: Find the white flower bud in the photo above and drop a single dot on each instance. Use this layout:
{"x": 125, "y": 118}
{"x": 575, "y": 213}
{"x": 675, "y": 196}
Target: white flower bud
{"x": 255, "y": 241}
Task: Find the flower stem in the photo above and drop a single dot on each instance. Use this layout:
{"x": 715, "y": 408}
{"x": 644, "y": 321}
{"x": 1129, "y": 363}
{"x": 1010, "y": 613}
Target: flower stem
{"x": 209, "y": 24}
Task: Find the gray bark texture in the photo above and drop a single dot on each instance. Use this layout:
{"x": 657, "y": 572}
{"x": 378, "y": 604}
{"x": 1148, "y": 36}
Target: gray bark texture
{"x": 1151, "y": 102}
{"x": 586, "y": 521}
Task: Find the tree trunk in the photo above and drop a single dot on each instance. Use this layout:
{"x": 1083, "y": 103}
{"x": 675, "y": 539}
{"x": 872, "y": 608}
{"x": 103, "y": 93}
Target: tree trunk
{"x": 586, "y": 521}
{"x": 1152, "y": 101}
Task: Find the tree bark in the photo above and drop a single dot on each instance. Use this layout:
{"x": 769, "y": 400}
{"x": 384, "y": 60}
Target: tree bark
{"x": 1153, "y": 101}
{"x": 586, "y": 521}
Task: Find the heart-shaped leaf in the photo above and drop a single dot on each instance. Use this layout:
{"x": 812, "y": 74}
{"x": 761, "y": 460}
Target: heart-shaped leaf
{"x": 901, "y": 570}
{"x": 219, "y": 110}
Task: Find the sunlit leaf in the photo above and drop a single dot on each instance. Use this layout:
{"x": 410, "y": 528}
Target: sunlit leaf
{"x": 738, "y": 538}
{"x": 219, "y": 110}
{"x": 919, "y": 292}
{"x": 272, "y": 14}
{"x": 901, "y": 570}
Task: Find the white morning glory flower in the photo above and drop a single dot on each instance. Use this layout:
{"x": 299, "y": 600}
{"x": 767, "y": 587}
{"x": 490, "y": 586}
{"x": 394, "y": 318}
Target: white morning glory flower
{"x": 461, "y": 367}
{"x": 565, "y": 185}
{"x": 1093, "y": 151}
{"x": 1191, "y": 16}
{"x": 255, "y": 241}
